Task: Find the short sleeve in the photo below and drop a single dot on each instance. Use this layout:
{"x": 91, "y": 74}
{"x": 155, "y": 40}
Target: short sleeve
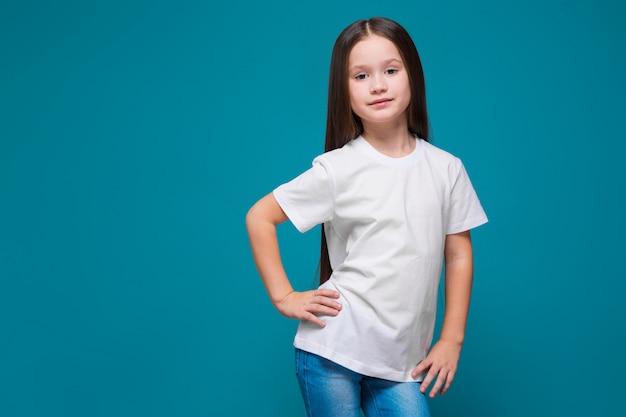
{"x": 308, "y": 199}
{"x": 465, "y": 211}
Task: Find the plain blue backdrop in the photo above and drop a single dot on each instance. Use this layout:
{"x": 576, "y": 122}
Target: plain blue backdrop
{"x": 134, "y": 136}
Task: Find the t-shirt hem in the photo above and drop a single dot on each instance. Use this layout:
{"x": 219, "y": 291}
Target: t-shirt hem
{"x": 291, "y": 213}
{"x": 467, "y": 224}
{"x": 353, "y": 365}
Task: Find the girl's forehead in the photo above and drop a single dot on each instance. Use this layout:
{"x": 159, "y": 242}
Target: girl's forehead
{"x": 372, "y": 48}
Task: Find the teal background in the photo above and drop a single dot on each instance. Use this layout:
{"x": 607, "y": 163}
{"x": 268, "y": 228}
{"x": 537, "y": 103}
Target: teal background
{"x": 135, "y": 135}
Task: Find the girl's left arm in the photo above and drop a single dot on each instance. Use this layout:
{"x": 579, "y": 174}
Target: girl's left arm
{"x": 442, "y": 361}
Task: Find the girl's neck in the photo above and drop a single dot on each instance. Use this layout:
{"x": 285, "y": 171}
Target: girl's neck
{"x": 393, "y": 141}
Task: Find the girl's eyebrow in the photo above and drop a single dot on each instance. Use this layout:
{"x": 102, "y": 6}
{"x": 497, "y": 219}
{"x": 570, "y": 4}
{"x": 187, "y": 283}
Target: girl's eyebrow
{"x": 385, "y": 63}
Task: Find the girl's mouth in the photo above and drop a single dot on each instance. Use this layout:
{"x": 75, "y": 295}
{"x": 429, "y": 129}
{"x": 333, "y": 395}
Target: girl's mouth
{"x": 380, "y": 102}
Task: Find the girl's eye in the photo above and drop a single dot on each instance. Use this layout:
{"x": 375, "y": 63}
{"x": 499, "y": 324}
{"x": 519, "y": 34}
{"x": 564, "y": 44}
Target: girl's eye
{"x": 392, "y": 71}
{"x": 360, "y": 77}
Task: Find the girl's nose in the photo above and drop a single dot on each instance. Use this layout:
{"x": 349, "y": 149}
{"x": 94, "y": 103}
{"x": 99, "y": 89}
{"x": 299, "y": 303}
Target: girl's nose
{"x": 378, "y": 85}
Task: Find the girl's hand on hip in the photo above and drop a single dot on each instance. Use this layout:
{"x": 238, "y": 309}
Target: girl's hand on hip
{"x": 308, "y": 304}
{"x": 441, "y": 365}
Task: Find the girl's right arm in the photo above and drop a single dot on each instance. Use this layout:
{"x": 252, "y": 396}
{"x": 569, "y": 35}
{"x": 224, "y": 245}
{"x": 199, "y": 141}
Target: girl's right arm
{"x": 261, "y": 222}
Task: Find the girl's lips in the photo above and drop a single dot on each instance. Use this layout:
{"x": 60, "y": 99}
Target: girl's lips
{"x": 380, "y": 101}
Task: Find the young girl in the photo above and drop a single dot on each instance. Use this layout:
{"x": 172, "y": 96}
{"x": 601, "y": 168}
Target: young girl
{"x": 393, "y": 207}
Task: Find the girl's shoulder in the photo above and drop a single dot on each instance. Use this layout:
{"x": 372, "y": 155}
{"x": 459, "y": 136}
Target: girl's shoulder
{"x": 433, "y": 151}
{"x": 344, "y": 162}
{"x": 440, "y": 158}
{"x": 340, "y": 155}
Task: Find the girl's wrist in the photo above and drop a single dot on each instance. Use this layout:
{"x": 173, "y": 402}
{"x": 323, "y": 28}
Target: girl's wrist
{"x": 279, "y": 297}
{"x": 453, "y": 338}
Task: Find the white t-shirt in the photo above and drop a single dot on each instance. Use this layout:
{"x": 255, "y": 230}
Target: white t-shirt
{"x": 385, "y": 221}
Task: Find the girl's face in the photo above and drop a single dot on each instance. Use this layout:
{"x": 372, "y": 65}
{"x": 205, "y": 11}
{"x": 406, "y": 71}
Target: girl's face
{"x": 378, "y": 82}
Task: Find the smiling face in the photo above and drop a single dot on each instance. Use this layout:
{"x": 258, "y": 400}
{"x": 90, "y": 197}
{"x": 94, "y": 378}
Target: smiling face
{"x": 378, "y": 82}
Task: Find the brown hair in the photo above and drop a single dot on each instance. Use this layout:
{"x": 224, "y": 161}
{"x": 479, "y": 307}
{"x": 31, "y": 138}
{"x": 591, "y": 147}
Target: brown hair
{"x": 342, "y": 125}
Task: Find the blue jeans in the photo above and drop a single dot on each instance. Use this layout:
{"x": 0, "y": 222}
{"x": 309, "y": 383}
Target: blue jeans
{"x": 330, "y": 390}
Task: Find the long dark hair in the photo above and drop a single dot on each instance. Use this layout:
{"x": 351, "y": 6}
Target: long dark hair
{"x": 342, "y": 125}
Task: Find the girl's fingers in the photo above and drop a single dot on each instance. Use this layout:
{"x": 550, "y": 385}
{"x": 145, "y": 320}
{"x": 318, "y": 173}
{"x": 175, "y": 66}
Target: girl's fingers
{"x": 449, "y": 379}
{"x": 314, "y": 319}
{"x": 326, "y": 293}
{"x": 419, "y": 369}
{"x": 319, "y": 309}
{"x": 441, "y": 384}
{"x": 438, "y": 384}
{"x": 324, "y": 305}
{"x": 307, "y": 305}
{"x": 328, "y": 302}
{"x": 428, "y": 379}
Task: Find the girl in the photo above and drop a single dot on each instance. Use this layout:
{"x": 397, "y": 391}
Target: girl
{"x": 393, "y": 207}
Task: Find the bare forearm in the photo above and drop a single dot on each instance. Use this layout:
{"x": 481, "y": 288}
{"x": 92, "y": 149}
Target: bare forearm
{"x": 261, "y": 223}
{"x": 266, "y": 255}
{"x": 458, "y": 288}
